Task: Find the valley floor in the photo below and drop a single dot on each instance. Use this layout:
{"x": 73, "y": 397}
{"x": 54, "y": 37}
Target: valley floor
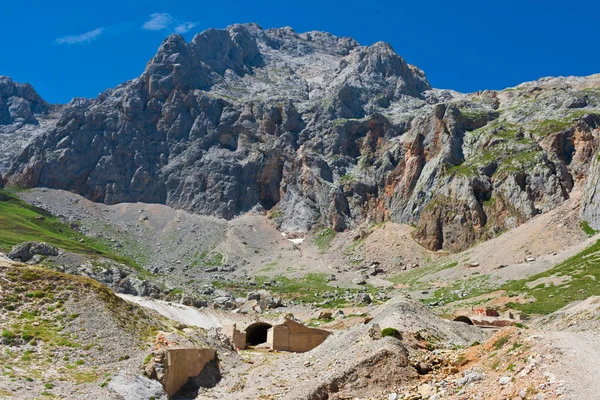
{"x": 202, "y": 272}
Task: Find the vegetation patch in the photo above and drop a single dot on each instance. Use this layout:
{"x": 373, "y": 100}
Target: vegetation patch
{"x": 323, "y": 237}
{"x": 578, "y": 279}
{"x": 208, "y": 258}
{"x": 413, "y": 277}
{"x": 393, "y": 332}
{"x": 462, "y": 289}
{"x": 586, "y": 228}
{"x": 310, "y": 289}
{"x": 348, "y": 178}
{"x": 21, "y": 222}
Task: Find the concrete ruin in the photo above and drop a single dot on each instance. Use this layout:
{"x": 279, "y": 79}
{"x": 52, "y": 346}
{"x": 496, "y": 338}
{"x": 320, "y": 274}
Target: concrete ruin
{"x": 172, "y": 367}
{"x": 489, "y": 318}
{"x": 288, "y": 335}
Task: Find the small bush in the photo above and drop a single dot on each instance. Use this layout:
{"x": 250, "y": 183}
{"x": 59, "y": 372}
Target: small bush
{"x": 393, "y": 332}
{"x": 48, "y": 386}
{"x": 7, "y": 334}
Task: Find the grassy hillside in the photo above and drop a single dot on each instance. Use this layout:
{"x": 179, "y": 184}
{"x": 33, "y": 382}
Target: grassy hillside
{"x": 21, "y": 222}
{"x": 576, "y": 278}
{"x": 63, "y": 333}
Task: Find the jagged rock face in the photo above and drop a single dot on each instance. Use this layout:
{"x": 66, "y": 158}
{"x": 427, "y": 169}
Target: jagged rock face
{"x": 590, "y": 211}
{"x": 18, "y": 104}
{"x": 22, "y": 118}
{"x": 322, "y": 131}
{"x": 192, "y": 131}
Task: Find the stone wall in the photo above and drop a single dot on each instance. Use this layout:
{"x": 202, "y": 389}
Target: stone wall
{"x": 278, "y": 337}
{"x": 238, "y": 338}
{"x": 293, "y": 336}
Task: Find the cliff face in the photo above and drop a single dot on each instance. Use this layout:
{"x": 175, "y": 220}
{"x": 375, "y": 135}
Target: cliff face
{"x": 23, "y": 115}
{"x": 322, "y": 131}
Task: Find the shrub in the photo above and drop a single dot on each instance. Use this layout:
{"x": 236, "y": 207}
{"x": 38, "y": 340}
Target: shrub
{"x": 393, "y": 332}
{"x": 7, "y": 334}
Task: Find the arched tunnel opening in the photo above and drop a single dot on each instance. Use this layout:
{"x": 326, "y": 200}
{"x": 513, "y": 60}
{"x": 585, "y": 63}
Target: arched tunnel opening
{"x": 257, "y": 333}
{"x": 466, "y": 320}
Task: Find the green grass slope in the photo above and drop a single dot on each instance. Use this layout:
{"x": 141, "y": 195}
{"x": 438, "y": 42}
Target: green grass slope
{"x": 21, "y": 222}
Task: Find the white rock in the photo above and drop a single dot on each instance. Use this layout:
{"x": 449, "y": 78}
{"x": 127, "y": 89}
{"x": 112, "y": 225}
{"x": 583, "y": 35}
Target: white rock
{"x": 505, "y": 380}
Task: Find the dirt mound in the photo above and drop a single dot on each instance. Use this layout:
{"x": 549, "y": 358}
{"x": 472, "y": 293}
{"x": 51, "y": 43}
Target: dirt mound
{"x": 366, "y": 362}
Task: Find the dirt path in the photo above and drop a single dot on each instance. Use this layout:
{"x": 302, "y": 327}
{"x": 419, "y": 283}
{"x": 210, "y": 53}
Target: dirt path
{"x": 206, "y": 319}
{"x": 578, "y": 365}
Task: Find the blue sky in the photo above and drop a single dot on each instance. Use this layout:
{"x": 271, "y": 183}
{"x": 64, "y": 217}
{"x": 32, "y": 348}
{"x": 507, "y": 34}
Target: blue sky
{"x": 76, "y": 48}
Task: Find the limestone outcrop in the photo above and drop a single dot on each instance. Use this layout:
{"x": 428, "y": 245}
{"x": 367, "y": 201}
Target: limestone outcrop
{"x": 319, "y": 131}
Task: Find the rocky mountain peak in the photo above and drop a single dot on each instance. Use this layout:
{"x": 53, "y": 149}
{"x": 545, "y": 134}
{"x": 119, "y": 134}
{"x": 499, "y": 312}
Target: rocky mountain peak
{"x": 19, "y": 103}
{"x": 319, "y": 131}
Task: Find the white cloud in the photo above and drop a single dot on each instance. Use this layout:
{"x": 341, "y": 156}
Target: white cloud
{"x": 158, "y": 21}
{"x": 184, "y": 27}
{"x": 83, "y": 38}
{"x": 165, "y": 21}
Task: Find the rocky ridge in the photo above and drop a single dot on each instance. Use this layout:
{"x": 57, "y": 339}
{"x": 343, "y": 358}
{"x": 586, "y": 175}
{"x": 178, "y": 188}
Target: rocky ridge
{"x": 321, "y": 131}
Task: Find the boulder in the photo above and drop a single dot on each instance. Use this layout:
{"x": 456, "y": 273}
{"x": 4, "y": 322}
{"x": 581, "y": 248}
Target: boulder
{"x": 324, "y": 315}
{"x": 26, "y": 251}
{"x": 363, "y": 298}
{"x": 128, "y": 386}
{"x": 359, "y": 281}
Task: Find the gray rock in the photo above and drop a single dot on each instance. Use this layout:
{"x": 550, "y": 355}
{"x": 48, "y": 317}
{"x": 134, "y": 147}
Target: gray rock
{"x": 359, "y": 281}
{"x": 235, "y": 120}
{"x": 363, "y": 298}
{"x": 470, "y": 377}
{"x": 129, "y": 386}
{"x": 222, "y": 300}
{"x": 26, "y": 251}
{"x": 505, "y": 380}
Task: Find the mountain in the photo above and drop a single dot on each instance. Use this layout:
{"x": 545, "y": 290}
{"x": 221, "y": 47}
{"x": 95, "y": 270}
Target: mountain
{"x": 22, "y": 117}
{"x": 319, "y": 131}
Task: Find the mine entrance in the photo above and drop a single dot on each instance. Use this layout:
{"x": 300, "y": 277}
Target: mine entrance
{"x": 257, "y": 333}
{"x": 464, "y": 319}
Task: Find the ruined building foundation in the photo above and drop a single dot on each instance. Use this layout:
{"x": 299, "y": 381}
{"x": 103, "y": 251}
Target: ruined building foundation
{"x": 288, "y": 335}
